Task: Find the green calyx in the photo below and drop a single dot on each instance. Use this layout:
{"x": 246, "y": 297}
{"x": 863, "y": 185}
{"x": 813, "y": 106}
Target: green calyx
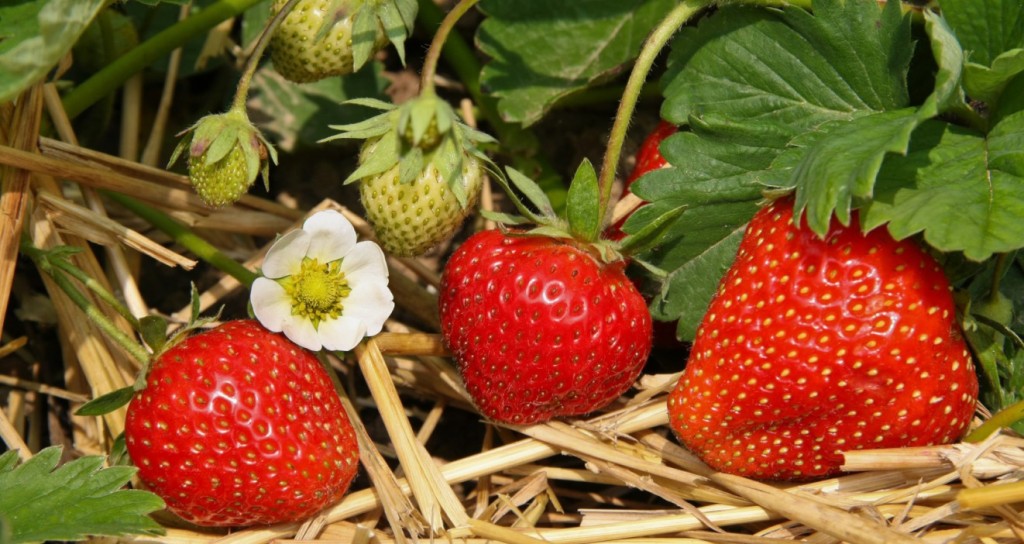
{"x": 584, "y": 219}
{"x": 422, "y": 132}
{"x": 225, "y": 155}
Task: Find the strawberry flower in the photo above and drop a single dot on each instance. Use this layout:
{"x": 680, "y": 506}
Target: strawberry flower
{"x": 321, "y": 287}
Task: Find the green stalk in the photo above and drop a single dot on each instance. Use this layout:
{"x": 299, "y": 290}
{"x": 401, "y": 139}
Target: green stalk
{"x": 182, "y": 235}
{"x": 1003, "y": 418}
{"x": 91, "y": 284}
{"x": 253, "y": 62}
{"x": 105, "y": 81}
{"x": 997, "y": 277}
{"x": 659, "y": 37}
{"x": 460, "y": 57}
{"x": 57, "y": 274}
{"x": 516, "y": 141}
{"x": 437, "y": 44}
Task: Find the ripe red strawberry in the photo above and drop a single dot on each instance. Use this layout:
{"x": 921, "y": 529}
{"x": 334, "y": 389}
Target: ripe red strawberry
{"x": 540, "y": 327}
{"x": 648, "y": 158}
{"x": 812, "y": 347}
{"x": 238, "y": 426}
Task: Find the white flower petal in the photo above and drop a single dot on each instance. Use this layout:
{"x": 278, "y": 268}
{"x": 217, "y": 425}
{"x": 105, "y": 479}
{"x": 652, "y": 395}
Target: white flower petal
{"x": 332, "y": 236}
{"x": 370, "y": 302}
{"x": 365, "y": 262}
{"x": 342, "y": 334}
{"x": 301, "y": 331}
{"x": 270, "y": 303}
{"x": 285, "y": 257}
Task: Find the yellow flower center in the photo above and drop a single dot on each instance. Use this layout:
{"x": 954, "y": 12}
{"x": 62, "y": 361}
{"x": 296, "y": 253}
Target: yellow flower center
{"x": 317, "y": 290}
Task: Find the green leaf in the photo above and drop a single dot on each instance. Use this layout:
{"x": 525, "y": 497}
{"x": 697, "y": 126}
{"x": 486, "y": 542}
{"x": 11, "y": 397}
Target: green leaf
{"x": 104, "y": 404}
{"x": 522, "y": 184}
{"x": 153, "y": 329}
{"x": 44, "y": 502}
{"x": 34, "y": 35}
{"x": 651, "y": 234}
{"x": 987, "y": 83}
{"x": 504, "y": 218}
{"x": 963, "y": 191}
{"x": 789, "y": 71}
{"x": 720, "y": 184}
{"x": 843, "y": 164}
{"x": 410, "y": 165}
{"x": 583, "y": 205}
{"x": 364, "y": 35}
{"x": 775, "y": 98}
{"x": 397, "y": 17}
{"x": 688, "y": 291}
{"x": 383, "y": 157}
{"x": 985, "y": 28}
{"x": 543, "y": 51}
{"x": 698, "y": 247}
{"x": 948, "y": 95}
{"x": 298, "y": 115}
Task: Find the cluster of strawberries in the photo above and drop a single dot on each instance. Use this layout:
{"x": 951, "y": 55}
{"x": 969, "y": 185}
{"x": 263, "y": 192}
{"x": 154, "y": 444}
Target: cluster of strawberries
{"x": 811, "y": 347}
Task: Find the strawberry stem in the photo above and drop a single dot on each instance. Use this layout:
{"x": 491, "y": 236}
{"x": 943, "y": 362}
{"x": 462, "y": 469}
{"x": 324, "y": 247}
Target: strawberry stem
{"x": 111, "y": 77}
{"x": 434, "y": 52}
{"x": 58, "y": 270}
{"x": 1003, "y": 418}
{"x": 188, "y": 239}
{"x": 997, "y": 277}
{"x": 656, "y": 41}
{"x": 253, "y": 62}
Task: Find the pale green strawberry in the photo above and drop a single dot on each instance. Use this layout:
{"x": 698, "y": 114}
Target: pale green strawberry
{"x": 315, "y": 40}
{"x": 220, "y": 183}
{"x": 226, "y": 154}
{"x": 411, "y": 218}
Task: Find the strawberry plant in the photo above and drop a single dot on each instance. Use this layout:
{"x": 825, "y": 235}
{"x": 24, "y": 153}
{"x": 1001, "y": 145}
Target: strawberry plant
{"x": 465, "y": 243}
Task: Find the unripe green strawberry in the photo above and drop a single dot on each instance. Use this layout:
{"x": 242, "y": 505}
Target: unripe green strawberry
{"x": 225, "y": 155}
{"x": 221, "y": 183}
{"x": 302, "y": 53}
{"x": 411, "y": 218}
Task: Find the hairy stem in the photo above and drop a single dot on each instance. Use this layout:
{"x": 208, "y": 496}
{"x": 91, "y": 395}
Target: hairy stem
{"x": 660, "y": 36}
{"x": 90, "y": 283}
{"x": 253, "y": 62}
{"x": 434, "y": 53}
{"x": 56, "y": 272}
{"x": 105, "y": 81}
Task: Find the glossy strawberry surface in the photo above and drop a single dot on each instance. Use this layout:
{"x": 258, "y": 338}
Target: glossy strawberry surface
{"x": 539, "y": 327}
{"x": 812, "y": 347}
{"x": 238, "y": 426}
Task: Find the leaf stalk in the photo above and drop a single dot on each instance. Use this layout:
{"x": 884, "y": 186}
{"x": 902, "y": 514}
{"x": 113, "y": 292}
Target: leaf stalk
{"x": 436, "y": 45}
{"x": 656, "y": 41}
{"x": 111, "y": 77}
{"x": 253, "y": 62}
{"x": 58, "y": 270}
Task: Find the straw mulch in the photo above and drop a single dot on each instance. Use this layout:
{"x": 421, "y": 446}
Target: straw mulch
{"x": 617, "y": 476}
